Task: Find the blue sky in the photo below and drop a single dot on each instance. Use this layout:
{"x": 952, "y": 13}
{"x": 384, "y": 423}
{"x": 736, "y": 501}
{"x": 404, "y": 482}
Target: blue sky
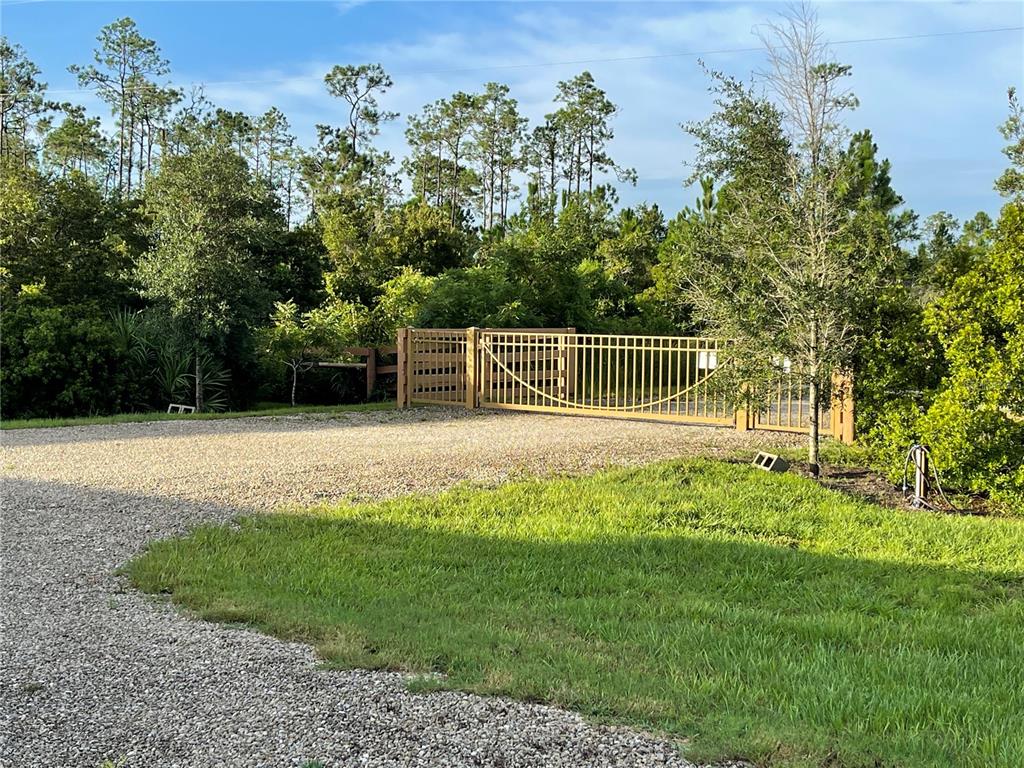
{"x": 932, "y": 104}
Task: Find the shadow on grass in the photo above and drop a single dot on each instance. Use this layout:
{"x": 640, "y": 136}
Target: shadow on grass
{"x": 727, "y": 631}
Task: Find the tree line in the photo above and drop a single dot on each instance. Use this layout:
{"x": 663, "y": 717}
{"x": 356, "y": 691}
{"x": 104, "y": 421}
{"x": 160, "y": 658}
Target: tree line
{"x": 194, "y": 252}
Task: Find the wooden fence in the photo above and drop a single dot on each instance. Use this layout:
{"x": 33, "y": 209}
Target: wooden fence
{"x": 556, "y": 370}
{"x": 371, "y": 364}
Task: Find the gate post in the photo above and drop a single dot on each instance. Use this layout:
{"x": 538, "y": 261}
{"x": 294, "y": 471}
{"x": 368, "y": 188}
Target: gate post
{"x": 404, "y": 364}
{"x": 743, "y": 413}
{"x": 569, "y": 356}
{"x": 371, "y": 372}
{"x": 842, "y": 407}
{"x": 472, "y": 339}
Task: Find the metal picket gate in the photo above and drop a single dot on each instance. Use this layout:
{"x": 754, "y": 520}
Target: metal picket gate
{"x": 557, "y": 370}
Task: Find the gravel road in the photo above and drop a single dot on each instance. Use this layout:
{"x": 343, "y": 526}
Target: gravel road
{"x": 93, "y": 671}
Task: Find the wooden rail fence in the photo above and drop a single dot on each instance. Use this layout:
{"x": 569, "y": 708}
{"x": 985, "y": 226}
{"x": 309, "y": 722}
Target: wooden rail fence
{"x": 370, "y": 364}
{"x": 557, "y": 370}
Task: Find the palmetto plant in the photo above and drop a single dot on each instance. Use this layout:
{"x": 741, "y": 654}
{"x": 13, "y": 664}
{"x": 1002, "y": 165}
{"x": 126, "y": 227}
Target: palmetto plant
{"x": 151, "y": 351}
{"x": 172, "y": 370}
{"x": 133, "y": 334}
{"x": 130, "y": 336}
{"x": 215, "y": 380}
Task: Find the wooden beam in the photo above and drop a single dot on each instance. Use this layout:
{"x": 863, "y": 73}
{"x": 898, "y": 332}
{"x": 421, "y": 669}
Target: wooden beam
{"x": 842, "y": 408}
{"x": 371, "y": 373}
{"x": 402, "y": 392}
{"x": 472, "y": 337}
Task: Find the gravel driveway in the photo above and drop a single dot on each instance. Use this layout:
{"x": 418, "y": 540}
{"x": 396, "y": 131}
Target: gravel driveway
{"x": 92, "y": 670}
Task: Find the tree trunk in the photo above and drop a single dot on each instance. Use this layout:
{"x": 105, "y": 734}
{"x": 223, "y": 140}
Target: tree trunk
{"x": 199, "y": 381}
{"x": 579, "y": 166}
{"x": 288, "y": 200}
{"x": 149, "y": 151}
{"x": 590, "y": 163}
{"x": 131, "y": 153}
{"x": 437, "y": 193}
{"x": 142, "y": 149}
{"x": 813, "y": 432}
{"x": 295, "y": 382}
{"x": 120, "y": 138}
{"x": 501, "y": 195}
{"x": 490, "y": 191}
{"x": 551, "y": 188}
{"x": 455, "y": 180}
{"x": 814, "y": 404}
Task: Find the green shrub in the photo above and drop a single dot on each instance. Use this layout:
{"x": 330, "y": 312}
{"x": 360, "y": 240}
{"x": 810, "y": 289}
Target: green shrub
{"x": 976, "y": 446}
{"x": 974, "y": 423}
{"x": 59, "y": 360}
{"x": 894, "y": 429}
{"x": 899, "y": 358}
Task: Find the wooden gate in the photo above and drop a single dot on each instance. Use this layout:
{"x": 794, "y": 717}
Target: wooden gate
{"x": 434, "y": 363}
{"x": 556, "y": 370}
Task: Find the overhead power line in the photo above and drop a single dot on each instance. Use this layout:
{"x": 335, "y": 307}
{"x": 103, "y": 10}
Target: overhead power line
{"x": 572, "y": 62}
{"x": 752, "y": 49}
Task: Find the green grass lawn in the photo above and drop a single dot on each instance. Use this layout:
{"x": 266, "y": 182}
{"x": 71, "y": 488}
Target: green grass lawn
{"x": 832, "y": 453}
{"x": 265, "y": 409}
{"x": 749, "y": 614}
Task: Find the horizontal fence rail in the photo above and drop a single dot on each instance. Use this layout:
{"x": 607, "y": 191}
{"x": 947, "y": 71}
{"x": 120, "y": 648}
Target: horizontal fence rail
{"x": 556, "y": 370}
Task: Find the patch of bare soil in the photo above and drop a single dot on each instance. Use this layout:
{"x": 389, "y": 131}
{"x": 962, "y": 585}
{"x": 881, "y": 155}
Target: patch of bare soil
{"x": 864, "y": 483}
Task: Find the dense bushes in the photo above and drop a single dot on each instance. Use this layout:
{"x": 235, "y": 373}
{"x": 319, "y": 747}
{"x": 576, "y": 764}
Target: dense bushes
{"x": 973, "y": 419}
{"x": 940, "y": 361}
{"x": 976, "y": 423}
{"x": 60, "y": 360}
{"x": 66, "y": 250}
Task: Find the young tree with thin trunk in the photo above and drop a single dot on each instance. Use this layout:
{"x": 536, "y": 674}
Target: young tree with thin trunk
{"x": 542, "y": 153}
{"x": 77, "y": 144}
{"x": 457, "y": 116}
{"x": 22, "y": 102}
{"x": 584, "y": 124}
{"x": 297, "y": 340}
{"x": 425, "y": 163}
{"x": 273, "y": 142}
{"x": 497, "y": 134}
{"x": 777, "y": 271}
{"x": 21, "y": 95}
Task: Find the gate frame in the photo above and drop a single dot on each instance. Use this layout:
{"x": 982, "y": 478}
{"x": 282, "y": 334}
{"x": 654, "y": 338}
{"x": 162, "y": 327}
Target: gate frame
{"x": 841, "y": 417}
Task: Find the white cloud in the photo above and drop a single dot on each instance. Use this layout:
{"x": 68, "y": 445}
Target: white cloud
{"x": 931, "y": 103}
